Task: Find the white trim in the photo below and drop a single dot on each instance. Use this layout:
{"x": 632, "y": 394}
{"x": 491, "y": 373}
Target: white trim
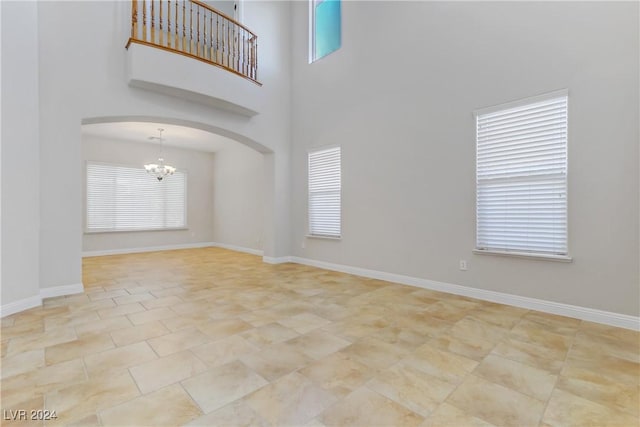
{"x": 529, "y": 255}
{"x": 319, "y": 236}
{"x": 86, "y": 254}
{"x": 86, "y": 231}
{"x": 325, "y": 147}
{"x": 278, "y": 260}
{"x": 583, "y": 313}
{"x": 57, "y": 291}
{"x": 237, "y": 248}
{"x": 522, "y": 101}
{"x": 312, "y": 33}
{"x": 20, "y": 305}
{"x": 36, "y": 300}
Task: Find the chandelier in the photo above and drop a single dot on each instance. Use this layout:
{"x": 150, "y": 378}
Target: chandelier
{"x": 159, "y": 170}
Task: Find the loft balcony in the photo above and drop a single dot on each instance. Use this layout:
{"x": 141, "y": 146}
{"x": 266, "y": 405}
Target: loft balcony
{"x": 190, "y": 50}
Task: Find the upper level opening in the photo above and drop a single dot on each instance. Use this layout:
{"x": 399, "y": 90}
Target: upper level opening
{"x": 198, "y": 30}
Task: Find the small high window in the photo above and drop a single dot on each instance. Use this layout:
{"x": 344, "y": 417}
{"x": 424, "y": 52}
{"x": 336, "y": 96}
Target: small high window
{"x": 325, "y": 28}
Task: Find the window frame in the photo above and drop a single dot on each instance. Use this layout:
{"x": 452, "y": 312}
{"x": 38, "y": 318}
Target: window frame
{"x": 566, "y": 257}
{"x": 87, "y": 230}
{"x": 312, "y": 31}
{"x": 309, "y": 233}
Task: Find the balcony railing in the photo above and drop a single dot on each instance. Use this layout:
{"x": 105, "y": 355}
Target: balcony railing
{"x": 194, "y": 29}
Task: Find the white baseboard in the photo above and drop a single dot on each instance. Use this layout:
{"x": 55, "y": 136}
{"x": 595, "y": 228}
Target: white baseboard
{"x": 237, "y": 248}
{"x": 583, "y": 313}
{"x": 58, "y": 291}
{"x": 36, "y": 300}
{"x": 20, "y": 305}
{"x": 171, "y": 247}
{"x": 278, "y": 260}
{"x": 147, "y": 249}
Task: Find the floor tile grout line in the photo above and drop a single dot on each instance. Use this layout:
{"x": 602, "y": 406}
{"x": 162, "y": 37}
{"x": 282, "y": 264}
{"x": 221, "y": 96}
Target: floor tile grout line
{"x": 555, "y": 385}
{"x": 583, "y": 397}
{"x": 134, "y": 380}
{"x": 287, "y": 288}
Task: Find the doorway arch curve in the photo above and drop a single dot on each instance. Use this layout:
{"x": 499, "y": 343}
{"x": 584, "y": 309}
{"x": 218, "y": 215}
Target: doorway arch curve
{"x": 242, "y": 139}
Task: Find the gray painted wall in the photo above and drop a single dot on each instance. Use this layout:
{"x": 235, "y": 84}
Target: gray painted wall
{"x": 20, "y": 153}
{"x": 238, "y": 208}
{"x": 224, "y": 6}
{"x": 398, "y": 97}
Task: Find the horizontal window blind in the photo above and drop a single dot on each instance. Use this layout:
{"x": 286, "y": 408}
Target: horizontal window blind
{"x": 121, "y": 198}
{"x": 324, "y": 192}
{"x": 521, "y": 178}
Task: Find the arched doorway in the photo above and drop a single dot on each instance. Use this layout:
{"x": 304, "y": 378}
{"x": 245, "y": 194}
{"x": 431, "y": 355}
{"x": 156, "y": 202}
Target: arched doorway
{"x": 228, "y": 186}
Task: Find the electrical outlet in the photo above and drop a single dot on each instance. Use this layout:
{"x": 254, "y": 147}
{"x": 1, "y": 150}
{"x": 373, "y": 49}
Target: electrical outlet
{"x": 303, "y": 244}
{"x": 463, "y": 265}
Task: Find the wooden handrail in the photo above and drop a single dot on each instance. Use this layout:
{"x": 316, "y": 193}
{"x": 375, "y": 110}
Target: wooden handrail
{"x": 222, "y": 14}
{"x": 195, "y": 29}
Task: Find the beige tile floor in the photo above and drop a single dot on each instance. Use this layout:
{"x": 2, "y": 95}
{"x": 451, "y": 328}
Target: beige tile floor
{"x": 214, "y": 337}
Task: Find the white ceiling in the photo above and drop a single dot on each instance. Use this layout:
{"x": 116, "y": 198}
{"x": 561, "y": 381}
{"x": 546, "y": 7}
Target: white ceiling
{"x": 173, "y": 135}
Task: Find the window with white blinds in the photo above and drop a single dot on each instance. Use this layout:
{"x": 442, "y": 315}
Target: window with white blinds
{"x": 521, "y": 177}
{"x": 121, "y": 198}
{"x": 324, "y": 192}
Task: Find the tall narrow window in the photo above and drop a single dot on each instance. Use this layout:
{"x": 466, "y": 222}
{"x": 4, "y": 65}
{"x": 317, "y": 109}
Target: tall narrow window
{"x": 521, "y": 177}
{"x": 325, "y": 28}
{"x": 121, "y": 198}
{"x": 324, "y": 192}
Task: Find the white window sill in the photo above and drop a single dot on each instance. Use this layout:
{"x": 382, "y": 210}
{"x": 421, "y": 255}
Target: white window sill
{"x": 541, "y": 257}
{"x": 134, "y": 231}
{"x": 312, "y": 236}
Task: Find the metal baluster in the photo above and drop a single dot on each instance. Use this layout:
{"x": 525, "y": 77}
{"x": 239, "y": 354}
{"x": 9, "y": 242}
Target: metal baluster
{"x": 236, "y": 47}
{"x": 244, "y": 52}
{"x": 229, "y": 45}
{"x": 217, "y": 38}
{"x": 190, "y": 27}
{"x": 250, "y": 53}
{"x": 168, "y": 23}
{"x": 223, "y": 44}
{"x": 144, "y": 20}
{"x": 161, "y": 33}
{"x": 198, "y": 30}
{"x": 153, "y": 22}
{"x": 175, "y": 29}
{"x": 255, "y": 59}
{"x": 134, "y": 19}
{"x": 184, "y": 27}
{"x": 211, "y": 36}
